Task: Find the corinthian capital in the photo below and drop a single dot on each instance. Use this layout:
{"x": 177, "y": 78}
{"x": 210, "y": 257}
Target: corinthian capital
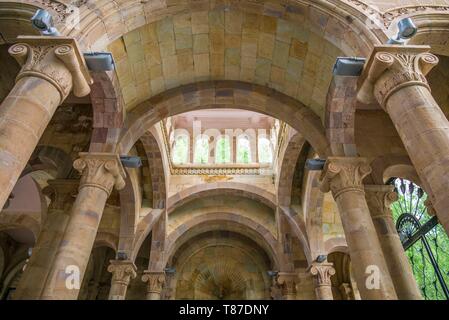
{"x": 122, "y": 271}
{"x": 342, "y": 174}
{"x": 155, "y": 280}
{"x": 322, "y": 273}
{"x": 100, "y": 170}
{"x": 55, "y": 59}
{"x": 379, "y": 199}
{"x": 391, "y": 68}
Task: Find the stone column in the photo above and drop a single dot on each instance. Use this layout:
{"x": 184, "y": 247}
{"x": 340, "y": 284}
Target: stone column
{"x": 51, "y": 68}
{"x": 155, "y": 282}
{"x": 122, "y": 273}
{"x": 322, "y": 273}
{"x": 394, "y": 77}
{"x": 100, "y": 172}
{"x": 379, "y": 199}
{"x": 343, "y": 177}
{"x": 32, "y": 281}
{"x": 287, "y": 282}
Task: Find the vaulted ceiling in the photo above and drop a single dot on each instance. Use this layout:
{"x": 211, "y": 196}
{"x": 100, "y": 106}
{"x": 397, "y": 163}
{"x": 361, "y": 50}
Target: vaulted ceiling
{"x": 225, "y": 44}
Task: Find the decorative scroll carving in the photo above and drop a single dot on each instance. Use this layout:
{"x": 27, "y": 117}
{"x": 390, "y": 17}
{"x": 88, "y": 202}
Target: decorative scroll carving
{"x": 100, "y": 170}
{"x": 391, "y": 68}
{"x": 390, "y": 15}
{"x": 344, "y": 174}
{"x": 322, "y": 273}
{"x": 122, "y": 271}
{"x": 155, "y": 280}
{"x": 57, "y": 60}
{"x": 62, "y": 11}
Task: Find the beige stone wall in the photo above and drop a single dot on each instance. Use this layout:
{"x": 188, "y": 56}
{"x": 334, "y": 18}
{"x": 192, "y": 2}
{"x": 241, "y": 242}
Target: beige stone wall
{"x": 224, "y": 45}
{"x": 241, "y": 206}
{"x": 181, "y": 182}
{"x": 332, "y": 227}
{"x": 222, "y": 271}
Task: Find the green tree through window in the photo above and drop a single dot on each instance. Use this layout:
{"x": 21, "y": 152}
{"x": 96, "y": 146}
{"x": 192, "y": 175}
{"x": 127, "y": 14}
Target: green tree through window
{"x": 265, "y": 152}
{"x": 223, "y": 150}
{"x": 243, "y": 150}
{"x": 181, "y": 149}
{"x": 408, "y": 210}
{"x": 202, "y": 150}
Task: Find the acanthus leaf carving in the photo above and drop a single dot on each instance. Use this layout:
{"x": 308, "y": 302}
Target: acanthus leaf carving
{"x": 54, "y": 59}
{"x": 100, "y": 170}
{"x": 155, "y": 281}
{"x": 342, "y": 174}
{"x": 322, "y": 273}
{"x": 122, "y": 271}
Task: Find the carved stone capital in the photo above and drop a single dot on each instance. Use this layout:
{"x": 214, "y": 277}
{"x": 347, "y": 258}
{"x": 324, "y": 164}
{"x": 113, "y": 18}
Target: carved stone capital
{"x": 122, "y": 271}
{"x": 55, "y": 59}
{"x": 342, "y": 174}
{"x": 379, "y": 199}
{"x": 100, "y": 170}
{"x": 391, "y": 68}
{"x": 287, "y": 282}
{"x": 62, "y": 193}
{"x": 155, "y": 280}
{"x": 322, "y": 273}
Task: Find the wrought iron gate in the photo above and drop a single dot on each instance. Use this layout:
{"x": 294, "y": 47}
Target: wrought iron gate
{"x": 424, "y": 239}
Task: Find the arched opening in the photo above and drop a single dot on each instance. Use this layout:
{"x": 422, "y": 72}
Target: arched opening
{"x": 223, "y": 150}
{"x": 244, "y": 149}
{"x": 181, "y": 149}
{"x": 423, "y": 238}
{"x": 201, "y": 150}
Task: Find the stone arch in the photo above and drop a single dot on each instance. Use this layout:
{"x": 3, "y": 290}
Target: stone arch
{"x": 108, "y": 113}
{"x": 299, "y": 229}
{"x": 49, "y": 158}
{"x": 329, "y": 18}
{"x": 225, "y": 94}
{"x": 144, "y": 228}
{"x": 106, "y": 239}
{"x": 287, "y": 170}
{"x": 386, "y": 167}
{"x": 154, "y": 153}
{"x": 313, "y": 207}
{"x": 15, "y": 18}
{"x": 221, "y": 221}
{"x": 220, "y": 188}
{"x": 336, "y": 245}
{"x": 225, "y": 240}
{"x": 433, "y": 29}
{"x": 20, "y": 221}
{"x": 12, "y": 274}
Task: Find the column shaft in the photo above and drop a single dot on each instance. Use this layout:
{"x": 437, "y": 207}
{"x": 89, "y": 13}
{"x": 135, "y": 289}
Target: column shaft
{"x": 100, "y": 172}
{"x": 122, "y": 273}
{"x": 33, "y": 279}
{"x": 322, "y": 273}
{"x": 379, "y": 199}
{"x": 395, "y": 77}
{"x": 424, "y": 129}
{"x": 24, "y": 115}
{"x": 343, "y": 176}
